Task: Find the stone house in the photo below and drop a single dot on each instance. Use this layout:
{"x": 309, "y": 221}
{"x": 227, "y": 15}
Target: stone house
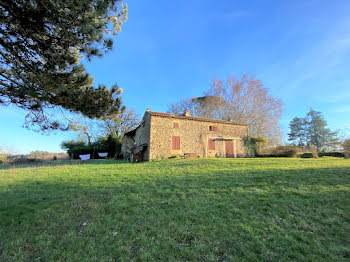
{"x": 164, "y": 135}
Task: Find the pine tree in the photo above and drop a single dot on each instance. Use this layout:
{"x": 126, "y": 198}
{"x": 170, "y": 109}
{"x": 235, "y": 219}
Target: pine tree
{"x": 42, "y": 43}
{"x": 318, "y": 133}
{"x": 298, "y": 131}
{"x": 312, "y": 131}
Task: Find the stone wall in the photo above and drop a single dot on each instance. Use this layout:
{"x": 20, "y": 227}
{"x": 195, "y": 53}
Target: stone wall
{"x": 127, "y": 145}
{"x": 140, "y": 138}
{"x": 194, "y": 137}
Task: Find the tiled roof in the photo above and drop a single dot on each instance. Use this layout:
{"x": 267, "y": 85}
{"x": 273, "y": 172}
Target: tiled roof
{"x": 175, "y": 116}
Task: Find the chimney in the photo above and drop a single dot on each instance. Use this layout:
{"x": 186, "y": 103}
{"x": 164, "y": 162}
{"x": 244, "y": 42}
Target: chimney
{"x": 186, "y": 113}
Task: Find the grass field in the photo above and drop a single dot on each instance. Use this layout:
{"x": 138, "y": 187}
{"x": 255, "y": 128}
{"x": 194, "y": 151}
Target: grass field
{"x": 177, "y": 210}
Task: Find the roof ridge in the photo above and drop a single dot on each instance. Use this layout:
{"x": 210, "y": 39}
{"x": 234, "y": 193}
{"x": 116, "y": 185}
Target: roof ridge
{"x": 193, "y": 118}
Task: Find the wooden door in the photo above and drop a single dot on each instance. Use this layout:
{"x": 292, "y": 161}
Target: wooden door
{"x": 229, "y": 148}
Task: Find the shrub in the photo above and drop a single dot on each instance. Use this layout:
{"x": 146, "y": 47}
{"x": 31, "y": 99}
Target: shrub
{"x": 19, "y": 161}
{"x": 4, "y": 158}
{"x": 306, "y": 155}
{"x": 38, "y": 154}
{"x": 286, "y": 151}
{"x": 282, "y": 151}
{"x": 334, "y": 154}
{"x": 110, "y": 144}
{"x": 54, "y": 157}
{"x": 113, "y": 145}
{"x": 321, "y": 154}
{"x": 253, "y": 145}
{"x": 72, "y": 147}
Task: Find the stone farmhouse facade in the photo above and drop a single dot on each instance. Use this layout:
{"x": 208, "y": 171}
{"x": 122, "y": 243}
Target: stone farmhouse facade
{"x": 164, "y": 135}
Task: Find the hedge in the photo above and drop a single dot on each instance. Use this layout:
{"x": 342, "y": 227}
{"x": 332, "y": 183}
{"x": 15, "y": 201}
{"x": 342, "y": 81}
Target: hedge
{"x": 321, "y": 154}
{"x": 282, "y": 151}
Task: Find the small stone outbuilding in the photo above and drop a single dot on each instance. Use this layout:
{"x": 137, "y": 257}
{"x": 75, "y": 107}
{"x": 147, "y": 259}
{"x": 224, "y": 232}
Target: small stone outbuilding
{"x": 164, "y": 135}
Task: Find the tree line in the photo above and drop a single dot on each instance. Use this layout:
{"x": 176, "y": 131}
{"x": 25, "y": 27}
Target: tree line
{"x": 100, "y": 134}
{"x": 42, "y": 48}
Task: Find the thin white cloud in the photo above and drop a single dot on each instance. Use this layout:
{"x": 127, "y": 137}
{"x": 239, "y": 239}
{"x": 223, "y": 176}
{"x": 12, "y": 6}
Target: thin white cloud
{"x": 339, "y": 96}
{"x": 320, "y": 59}
{"x": 342, "y": 109}
{"x": 324, "y": 57}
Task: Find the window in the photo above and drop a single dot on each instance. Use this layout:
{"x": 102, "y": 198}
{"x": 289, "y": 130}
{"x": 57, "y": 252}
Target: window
{"x": 213, "y": 128}
{"x": 176, "y": 143}
{"x": 211, "y": 144}
{"x": 175, "y": 125}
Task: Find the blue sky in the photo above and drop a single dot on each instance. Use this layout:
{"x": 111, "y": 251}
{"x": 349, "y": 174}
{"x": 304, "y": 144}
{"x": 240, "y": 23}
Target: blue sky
{"x": 169, "y": 50}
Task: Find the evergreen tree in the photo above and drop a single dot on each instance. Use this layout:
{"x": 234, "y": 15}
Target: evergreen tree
{"x": 41, "y": 45}
{"x": 318, "y": 133}
{"x": 312, "y": 131}
{"x": 298, "y": 131}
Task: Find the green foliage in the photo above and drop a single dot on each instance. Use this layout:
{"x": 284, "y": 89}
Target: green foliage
{"x": 312, "y": 131}
{"x": 4, "y": 158}
{"x": 298, "y": 131}
{"x": 73, "y": 148}
{"x": 111, "y": 145}
{"x": 322, "y": 154}
{"x": 37, "y": 154}
{"x": 333, "y": 154}
{"x": 215, "y": 209}
{"x": 317, "y": 131}
{"x": 282, "y": 151}
{"x": 42, "y": 44}
{"x": 253, "y": 145}
{"x": 307, "y": 155}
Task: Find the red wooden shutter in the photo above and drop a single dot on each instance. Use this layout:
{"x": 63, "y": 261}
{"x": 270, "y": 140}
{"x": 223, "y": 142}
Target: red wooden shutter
{"x": 215, "y": 128}
{"x": 211, "y": 143}
{"x": 176, "y": 143}
{"x": 176, "y": 125}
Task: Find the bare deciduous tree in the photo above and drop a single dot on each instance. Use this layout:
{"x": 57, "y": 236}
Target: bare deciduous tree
{"x": 244, "y": 101}
{"x": 87, "y": 129}
{"x": 119, "y": 124}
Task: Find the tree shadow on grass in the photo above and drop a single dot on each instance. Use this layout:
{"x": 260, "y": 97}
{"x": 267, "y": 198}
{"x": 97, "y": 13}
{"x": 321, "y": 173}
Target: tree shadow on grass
{"x": 213, "y": 212}
{"x": 280, "y": 181}
{"x": 48, "y": 163}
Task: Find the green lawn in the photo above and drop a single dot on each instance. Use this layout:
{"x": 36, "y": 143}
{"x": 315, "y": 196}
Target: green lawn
{"x": 177, "y": 210}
